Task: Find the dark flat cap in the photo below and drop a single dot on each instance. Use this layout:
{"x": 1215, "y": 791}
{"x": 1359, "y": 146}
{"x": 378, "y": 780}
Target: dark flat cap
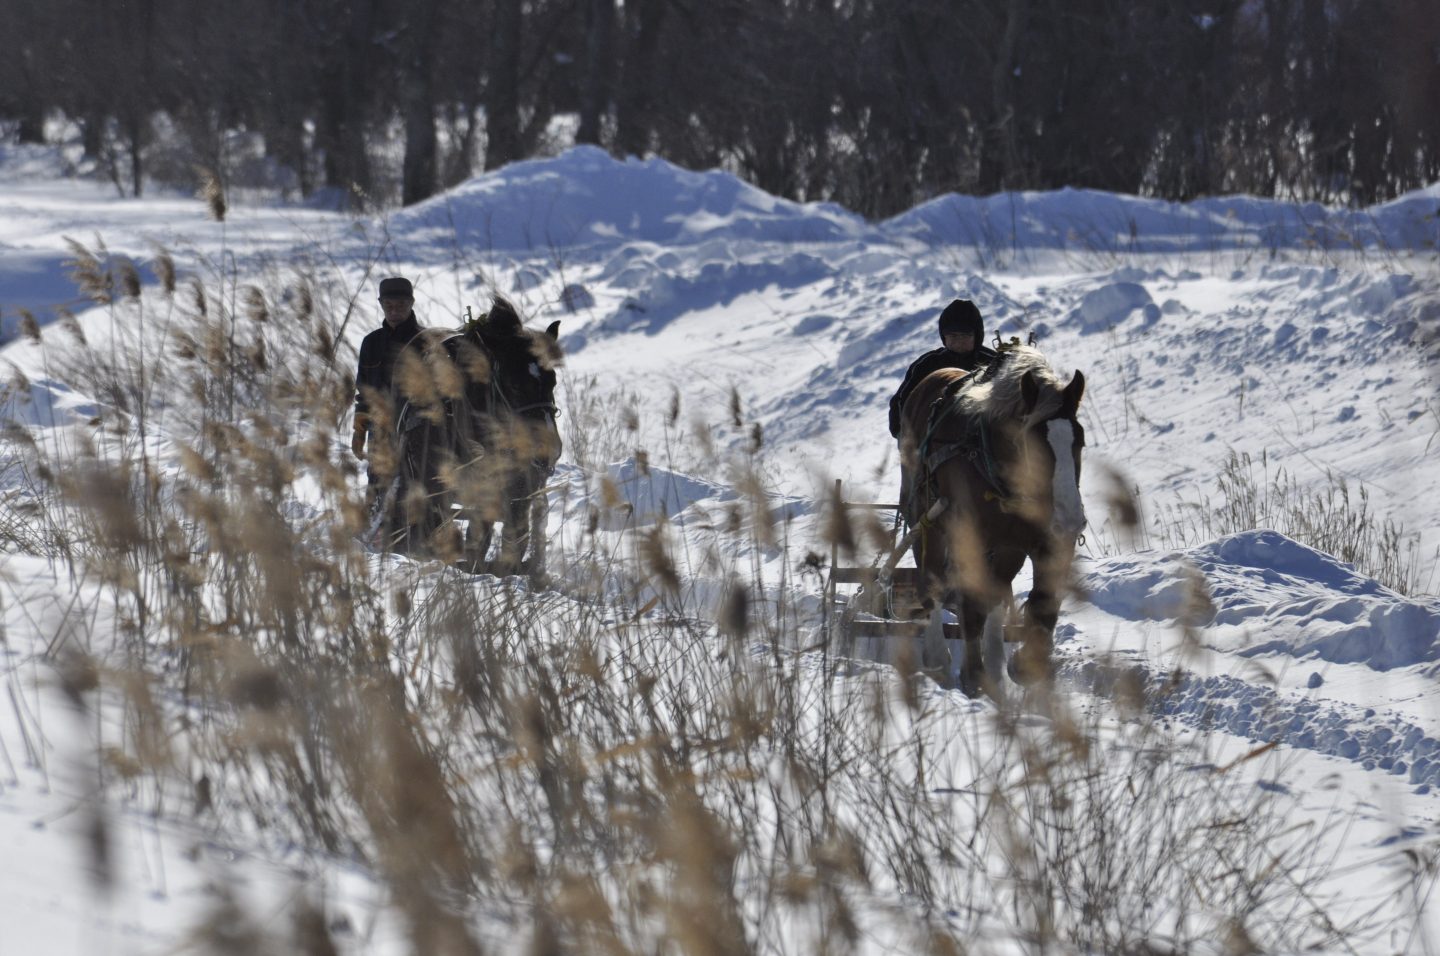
{"x": 396, "y": 287}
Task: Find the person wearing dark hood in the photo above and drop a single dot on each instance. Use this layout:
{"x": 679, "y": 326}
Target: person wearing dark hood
{"x": 962, "y": 333}
{"x": 379, "y": 354}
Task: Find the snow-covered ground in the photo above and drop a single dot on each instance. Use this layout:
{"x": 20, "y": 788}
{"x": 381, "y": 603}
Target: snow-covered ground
{"x": 1297, "y": 345}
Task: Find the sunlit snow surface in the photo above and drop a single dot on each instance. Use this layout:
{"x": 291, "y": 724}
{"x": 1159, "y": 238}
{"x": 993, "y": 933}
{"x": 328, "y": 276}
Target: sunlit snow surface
{"x": 1300, "y": 336}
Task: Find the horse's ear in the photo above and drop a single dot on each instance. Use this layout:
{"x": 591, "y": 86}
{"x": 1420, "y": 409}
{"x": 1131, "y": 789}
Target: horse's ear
{"x": 1070, "y": 399}
{"x": 1029, "y": 392}
{"x": 553, "y": 330}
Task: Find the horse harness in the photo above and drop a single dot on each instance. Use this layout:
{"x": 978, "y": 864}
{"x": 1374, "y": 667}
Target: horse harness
{"x": 973, "y": 444}
{"x": 498, "y": 395}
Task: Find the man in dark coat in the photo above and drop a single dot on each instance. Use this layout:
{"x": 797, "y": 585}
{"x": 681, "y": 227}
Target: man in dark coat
{"x": 379, "y": 353}
{"x": 962, "y": 331}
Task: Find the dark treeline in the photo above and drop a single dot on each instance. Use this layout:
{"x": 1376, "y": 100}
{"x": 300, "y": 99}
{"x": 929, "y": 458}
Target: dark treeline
{"x": 875, "y": 104}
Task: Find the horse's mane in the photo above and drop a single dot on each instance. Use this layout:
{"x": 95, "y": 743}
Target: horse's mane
{"x": 501, "y": 329}
{"x": 997, "y": 396}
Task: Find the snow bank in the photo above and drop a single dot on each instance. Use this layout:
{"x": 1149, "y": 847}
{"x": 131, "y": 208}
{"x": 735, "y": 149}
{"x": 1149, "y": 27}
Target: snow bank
{"x": 1266, "y": 594}
{"x": 585, "y": 197}
{"x": 37, "y": 280}
{"x": 46, "y": 404}
{"x": 666, "y": 295}
{"x": 1081, "y": 220}
{"x": 648, "y": 494}
{"x": 1103, "y": 308}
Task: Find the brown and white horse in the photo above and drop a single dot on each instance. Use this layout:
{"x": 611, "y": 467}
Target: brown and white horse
{"x": 1002, "y": 446}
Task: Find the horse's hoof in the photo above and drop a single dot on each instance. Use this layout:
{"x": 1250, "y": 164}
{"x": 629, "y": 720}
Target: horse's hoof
{"x": 971, "y": 685}
{"x": 1031, "y": 666}
{"x": 972, "y": 671}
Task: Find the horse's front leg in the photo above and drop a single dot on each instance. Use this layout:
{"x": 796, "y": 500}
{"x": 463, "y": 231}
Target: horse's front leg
{"x": 515, "y": 529}
{"x": 478, "y": 533}
{"x": 1033, "y": 662}
{"x": 972, "y": 613}
{"x": 416, "y": 518}
{"x": 946, "y": 586}
{"x": 929, "y": 552}
{"x": 993, "y": 640}
{"x": 539, "y": 513}
{"x": 962, "y": 666}
{"x": 987, "y": 602}
{"x": 932, "y": 593}
{"x": 477, "y": 508}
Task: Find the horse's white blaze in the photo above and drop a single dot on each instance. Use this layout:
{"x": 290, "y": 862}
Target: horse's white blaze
{"x": 1069, "y": 518}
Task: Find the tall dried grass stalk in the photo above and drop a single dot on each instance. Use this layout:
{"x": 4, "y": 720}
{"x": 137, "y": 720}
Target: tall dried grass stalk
{"x": 639, "y": 760}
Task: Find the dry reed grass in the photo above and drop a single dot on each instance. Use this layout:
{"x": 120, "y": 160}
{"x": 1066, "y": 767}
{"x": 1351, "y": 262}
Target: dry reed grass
{"x": 1335, "y": 520}
{"x": 631, "y": 763}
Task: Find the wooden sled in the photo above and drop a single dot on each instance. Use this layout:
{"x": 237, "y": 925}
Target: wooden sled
{"x": 886, "y": 603}
{"x": 879, "y": 607}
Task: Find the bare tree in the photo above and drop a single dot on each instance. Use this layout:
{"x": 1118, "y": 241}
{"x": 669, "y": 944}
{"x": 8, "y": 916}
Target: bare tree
{"x": 502, "y": 88}
{"x": 877, "y": 104}
{"x": 344, "y": 39}
{"x": 642, "y": 25}
{"x": 599, "y": 65}
{"x": 417, "y": 84}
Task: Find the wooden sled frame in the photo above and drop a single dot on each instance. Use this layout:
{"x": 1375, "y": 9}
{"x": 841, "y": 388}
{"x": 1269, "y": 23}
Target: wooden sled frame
{"x": 886, "y": 585}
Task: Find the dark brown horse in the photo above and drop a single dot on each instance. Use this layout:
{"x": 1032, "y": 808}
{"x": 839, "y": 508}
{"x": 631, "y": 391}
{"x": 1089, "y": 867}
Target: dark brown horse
{"x": 478, "y": 440}
{"x": 1002, "y": 446}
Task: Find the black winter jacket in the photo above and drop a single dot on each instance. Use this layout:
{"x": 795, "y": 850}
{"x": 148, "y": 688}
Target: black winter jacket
{"x": 378, "y": 354}
{"x": 930, "y": 362}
